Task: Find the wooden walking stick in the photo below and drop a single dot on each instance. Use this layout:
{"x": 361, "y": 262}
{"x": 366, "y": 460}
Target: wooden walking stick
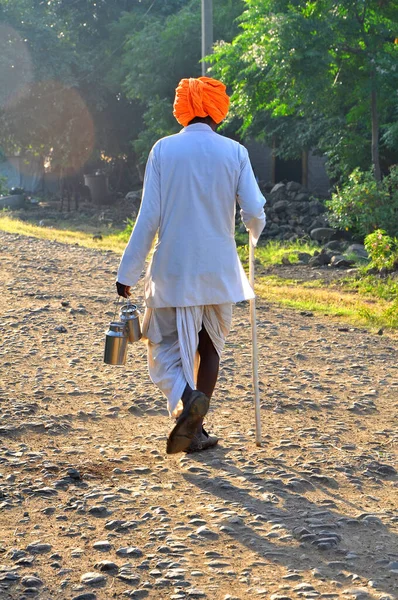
{"x": 254, "y": 345}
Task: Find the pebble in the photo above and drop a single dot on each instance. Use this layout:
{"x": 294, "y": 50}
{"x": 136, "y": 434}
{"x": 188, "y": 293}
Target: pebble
{"x": 126, "y": 574}
{"x": 206, "y": 532}
{"x": 106, "y": 565}
{"x": 92, "y": 578}
{"x": 31, "y": 581}
{"x": 195, "y": 593}
{"x": 130, "y": 552}
{"x": 102, "y": 546}
{"x": 99, "y": 511}
{"x": 357, "y": 593}
{"x": 38, "y": 548}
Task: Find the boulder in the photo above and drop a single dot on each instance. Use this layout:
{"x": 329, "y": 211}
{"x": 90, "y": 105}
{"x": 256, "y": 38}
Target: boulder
{"x": 278, "y": 192}
{"x": 322, "y": 234}
{"x": 335, "y": 245}
{"x": 273, "y": 230}
{"x": 320, "y": 260}
{"x": 304, "y": 257}
{"x": 13, "y": 202}
{"x": 302, "y": 197}
{"x": 293, "y": 186}
{"x": 281, "y": 206}
{"x": 358, "y": 249}
{"x": 318, "y": 223}
{"x": 341, "y": 262}
{"x": 134, "y": 199}
{"x": 316, "y": 208}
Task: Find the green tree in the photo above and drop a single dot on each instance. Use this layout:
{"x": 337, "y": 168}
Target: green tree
{"x": 85, "y": 79}
{"x": 159, "y": 51}
{"x": 55, "y": 99}
{"x": 316, "y": 74}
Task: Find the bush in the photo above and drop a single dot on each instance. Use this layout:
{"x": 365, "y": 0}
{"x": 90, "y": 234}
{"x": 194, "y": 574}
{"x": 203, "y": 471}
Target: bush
{"x": 125, "y": 234}
{"x": 382, "y": 250}
{"x": 3, "y": 186}
{"x": 364, "y": 205}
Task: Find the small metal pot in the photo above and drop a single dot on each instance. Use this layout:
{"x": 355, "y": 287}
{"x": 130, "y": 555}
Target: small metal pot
{"x": 129, "y": 314}
{"x": 116, "y": 344}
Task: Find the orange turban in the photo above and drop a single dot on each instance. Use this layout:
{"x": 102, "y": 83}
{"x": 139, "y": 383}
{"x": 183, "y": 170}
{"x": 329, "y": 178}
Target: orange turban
{"x": 202, "y": 97}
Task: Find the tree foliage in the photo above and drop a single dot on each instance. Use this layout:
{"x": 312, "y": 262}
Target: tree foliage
{"x": 96, "y": 78}
{"x": 55, "y": 100}
{"x": 363, "y": 205}
{"x": 165, "y": 48}
{"x": 303, "y": 73}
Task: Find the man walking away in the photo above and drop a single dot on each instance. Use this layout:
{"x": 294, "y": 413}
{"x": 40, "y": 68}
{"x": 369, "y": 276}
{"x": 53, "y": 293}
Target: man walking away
{"x": 192, "y": 182}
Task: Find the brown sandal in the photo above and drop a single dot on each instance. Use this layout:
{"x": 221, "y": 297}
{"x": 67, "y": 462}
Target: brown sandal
{"x": 202, "y": 441}
{"x": 187, "y": 423}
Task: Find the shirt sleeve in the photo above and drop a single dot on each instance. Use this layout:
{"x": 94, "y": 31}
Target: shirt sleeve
{"x": 146, "y": 225}
{"x": 250, "y": 199}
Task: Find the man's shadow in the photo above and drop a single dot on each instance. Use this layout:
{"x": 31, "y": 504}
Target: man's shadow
{"x": 313, "y": 545}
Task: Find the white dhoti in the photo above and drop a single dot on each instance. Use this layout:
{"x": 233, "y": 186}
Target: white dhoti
{"x": 172, "y": 336}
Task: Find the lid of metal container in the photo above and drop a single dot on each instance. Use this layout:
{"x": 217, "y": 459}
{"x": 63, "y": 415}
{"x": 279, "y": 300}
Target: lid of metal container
{"x": 128, "y": 309}
{"x": 116, "y": 326}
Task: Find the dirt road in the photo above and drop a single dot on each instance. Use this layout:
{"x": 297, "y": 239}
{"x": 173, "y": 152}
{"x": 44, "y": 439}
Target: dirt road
{"x": 92, "y": 508}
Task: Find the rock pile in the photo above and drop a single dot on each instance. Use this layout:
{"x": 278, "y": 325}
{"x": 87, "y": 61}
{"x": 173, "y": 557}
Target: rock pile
{"x": 292, "y": 213}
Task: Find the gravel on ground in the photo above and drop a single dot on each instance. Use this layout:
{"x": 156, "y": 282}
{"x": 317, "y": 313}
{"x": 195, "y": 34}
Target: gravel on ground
{"x": 92, "y": 508}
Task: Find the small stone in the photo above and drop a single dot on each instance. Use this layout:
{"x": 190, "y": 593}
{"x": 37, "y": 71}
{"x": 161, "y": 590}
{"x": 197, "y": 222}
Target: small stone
{"x": 99, "y": 511}
{"x": 73, "y": 474}
{"x": 106, "y": 565}
{"x": 102, "y": 546}
{"x": 206, "y": 532}
{"x": 9, "y": 576}
{"x": 92, "y": 578}
{"x": 38, "y": 548}
{"x": 194, "y": 593}
{"x": 357, "y": 593}
{"x": 175, "y": 574}
{"x": 31, "y": 581}
{"x": 129, "y": 551}
{"x": 126, "y": 574}
{"x": 85, "y": 596}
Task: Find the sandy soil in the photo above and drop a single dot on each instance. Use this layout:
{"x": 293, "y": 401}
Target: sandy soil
{"x": 86, "y": 486}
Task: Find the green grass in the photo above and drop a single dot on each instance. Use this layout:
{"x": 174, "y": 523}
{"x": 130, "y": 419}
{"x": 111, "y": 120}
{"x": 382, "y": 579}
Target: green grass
{"x": 272, "y": 252}
{"x": 374, "y": 286}
{"x": 111, "y": 239}
{"x": 335, "y": 302}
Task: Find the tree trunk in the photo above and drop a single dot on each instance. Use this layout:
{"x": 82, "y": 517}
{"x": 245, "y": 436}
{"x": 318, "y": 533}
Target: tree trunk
{"x": 375, "y": 129}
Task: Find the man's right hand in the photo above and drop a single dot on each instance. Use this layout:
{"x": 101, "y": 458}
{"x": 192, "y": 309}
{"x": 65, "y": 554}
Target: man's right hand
{"x": 123, "y": 290}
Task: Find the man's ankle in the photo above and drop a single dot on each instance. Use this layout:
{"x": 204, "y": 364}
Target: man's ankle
{"x": 186, "y": 394}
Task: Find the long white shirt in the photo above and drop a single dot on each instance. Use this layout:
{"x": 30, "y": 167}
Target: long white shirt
{"x": 192, "y": 182}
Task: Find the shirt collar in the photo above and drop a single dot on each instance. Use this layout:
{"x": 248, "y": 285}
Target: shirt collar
{"x": 197, "y": 127}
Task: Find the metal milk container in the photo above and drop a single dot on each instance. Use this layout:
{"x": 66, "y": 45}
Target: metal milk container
{"x": 129, "y": 314}
{"x": 116, "y": 344}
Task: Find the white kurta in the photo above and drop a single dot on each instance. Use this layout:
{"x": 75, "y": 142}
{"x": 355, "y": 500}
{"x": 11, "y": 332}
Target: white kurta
{"x": 192, "y": 182}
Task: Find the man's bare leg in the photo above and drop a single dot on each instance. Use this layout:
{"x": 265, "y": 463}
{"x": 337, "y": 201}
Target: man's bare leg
{"x": 208, "y": 367}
